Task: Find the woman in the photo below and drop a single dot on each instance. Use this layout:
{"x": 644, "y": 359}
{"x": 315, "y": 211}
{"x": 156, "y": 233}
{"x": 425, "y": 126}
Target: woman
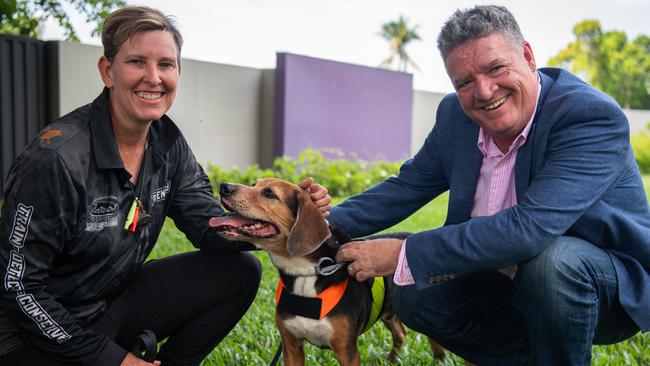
{"x": 84, "y": 206}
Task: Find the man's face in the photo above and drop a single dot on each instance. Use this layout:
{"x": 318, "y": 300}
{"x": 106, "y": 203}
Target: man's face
{"x": 496, "y": 83}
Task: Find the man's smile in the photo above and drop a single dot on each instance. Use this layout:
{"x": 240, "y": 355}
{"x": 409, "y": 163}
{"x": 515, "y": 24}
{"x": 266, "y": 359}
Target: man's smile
{"x": 496, "y": 104}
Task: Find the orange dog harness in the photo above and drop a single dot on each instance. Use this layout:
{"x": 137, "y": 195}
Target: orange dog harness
{"x": 318, "y": 307}
{"x": 310, "y": 307}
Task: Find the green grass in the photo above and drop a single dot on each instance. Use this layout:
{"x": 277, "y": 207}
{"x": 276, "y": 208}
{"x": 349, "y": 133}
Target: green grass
{"x": 255, "y": 339}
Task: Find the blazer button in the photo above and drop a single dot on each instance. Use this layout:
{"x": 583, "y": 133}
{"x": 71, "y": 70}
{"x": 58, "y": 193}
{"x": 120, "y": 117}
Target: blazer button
{"x": 431, "y": 280}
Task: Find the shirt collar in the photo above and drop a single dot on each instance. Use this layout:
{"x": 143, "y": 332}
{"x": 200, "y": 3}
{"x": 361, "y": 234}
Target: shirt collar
{"x": 486, "y": 143}
{"x": 107, "y": 155}
{"x": 163, "y": 133}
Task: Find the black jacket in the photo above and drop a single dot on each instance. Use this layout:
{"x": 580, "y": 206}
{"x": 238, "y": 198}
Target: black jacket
{"x": 64, "y": 252}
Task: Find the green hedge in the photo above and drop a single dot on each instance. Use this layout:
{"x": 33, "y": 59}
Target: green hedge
{"x": 641, "y": 145}
{"x": 341, "y": 175}
{"x": 344, "y": 176}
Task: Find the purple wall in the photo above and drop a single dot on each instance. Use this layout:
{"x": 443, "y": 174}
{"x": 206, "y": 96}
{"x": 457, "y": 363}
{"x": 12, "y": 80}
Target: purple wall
{"x": 363, "y": 111}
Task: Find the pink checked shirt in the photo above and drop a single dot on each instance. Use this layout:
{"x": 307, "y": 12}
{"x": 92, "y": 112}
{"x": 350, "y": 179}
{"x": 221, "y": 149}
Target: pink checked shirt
{"x": 495, "y": 190}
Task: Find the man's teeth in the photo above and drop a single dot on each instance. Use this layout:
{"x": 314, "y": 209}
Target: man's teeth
{"x": 149, "y": 96}
{"x": 495, "y": 104}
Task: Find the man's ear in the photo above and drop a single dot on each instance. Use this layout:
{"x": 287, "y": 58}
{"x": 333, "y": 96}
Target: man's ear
{"x": 106, "y": 71}
{"x": 529, "y": 56}
{"x": 310, "y": 229}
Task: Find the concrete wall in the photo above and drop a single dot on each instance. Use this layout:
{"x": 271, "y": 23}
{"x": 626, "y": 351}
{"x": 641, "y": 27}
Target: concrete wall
{"x": 79, "y": 81}
{"x": 638, "y": 118}
{"x": 425, "y": 105}
{"x": 226, "y": 112}
{"x": 218, "y": 107}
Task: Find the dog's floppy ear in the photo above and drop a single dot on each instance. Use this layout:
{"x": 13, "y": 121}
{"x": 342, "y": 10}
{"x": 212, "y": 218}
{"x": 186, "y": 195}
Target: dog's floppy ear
{"x": 310, "y": 229}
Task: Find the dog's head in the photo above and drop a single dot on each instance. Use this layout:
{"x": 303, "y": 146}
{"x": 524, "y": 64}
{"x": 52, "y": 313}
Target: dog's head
{"x": 273, "y": 214}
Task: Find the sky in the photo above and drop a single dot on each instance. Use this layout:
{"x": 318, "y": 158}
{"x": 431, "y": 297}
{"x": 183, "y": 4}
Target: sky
{"x": 251, "y": 32}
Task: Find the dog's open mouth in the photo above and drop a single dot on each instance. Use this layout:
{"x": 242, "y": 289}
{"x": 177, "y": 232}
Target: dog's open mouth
{"x": 235, "y": 225}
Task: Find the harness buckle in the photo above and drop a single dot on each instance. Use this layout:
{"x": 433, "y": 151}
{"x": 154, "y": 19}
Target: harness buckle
{"x": 327, "y": 266}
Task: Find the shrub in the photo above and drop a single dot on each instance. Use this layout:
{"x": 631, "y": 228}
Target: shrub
{"x": 340, "y": 175}
{"x": 641, "y": 146}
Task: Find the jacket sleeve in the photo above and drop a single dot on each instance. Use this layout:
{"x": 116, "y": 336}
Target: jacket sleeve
{"x": 40, "y": 217}
{"x": 194, "y": 203}
{"x": 587, "y": 149}
{"x": 420, "y": 180}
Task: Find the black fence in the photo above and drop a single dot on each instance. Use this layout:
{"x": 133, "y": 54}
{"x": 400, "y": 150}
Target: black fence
{"x": 24, "y": 104}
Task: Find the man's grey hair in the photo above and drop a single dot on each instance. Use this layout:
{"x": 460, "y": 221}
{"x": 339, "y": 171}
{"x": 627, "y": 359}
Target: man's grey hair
{"x": 480, "y": 21}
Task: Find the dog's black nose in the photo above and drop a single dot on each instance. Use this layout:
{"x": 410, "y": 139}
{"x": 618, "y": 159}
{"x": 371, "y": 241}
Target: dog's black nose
{"x": 226, "y": 189}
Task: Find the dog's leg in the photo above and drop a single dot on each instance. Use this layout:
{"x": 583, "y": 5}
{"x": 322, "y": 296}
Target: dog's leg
{"x": 347, "y": 351}
{"x": 293, "y": 352}
{"x": 344, "y": 342}
{"x": 438, "y": 351}
{"x": 397, "y": 331}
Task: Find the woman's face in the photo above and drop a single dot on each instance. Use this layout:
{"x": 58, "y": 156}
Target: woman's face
{"x": 142, "y": 77}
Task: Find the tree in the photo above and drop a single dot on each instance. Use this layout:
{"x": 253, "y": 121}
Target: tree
{"x": 399, "y": 34}
{"x": 26, "y": 17}
{"x": 610, "y": 62}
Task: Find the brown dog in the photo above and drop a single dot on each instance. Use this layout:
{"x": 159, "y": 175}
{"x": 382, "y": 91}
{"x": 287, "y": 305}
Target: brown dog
{"x": 280, "y": 218}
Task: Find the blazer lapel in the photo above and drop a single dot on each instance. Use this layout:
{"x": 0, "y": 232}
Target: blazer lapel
{"x": 467, "y": 168}
{"x": 524, "y": 164}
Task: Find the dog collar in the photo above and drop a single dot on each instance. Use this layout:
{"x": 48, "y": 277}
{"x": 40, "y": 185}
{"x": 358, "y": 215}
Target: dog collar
{"x": 327, "y": 266}
{"x": 310, "y": 307}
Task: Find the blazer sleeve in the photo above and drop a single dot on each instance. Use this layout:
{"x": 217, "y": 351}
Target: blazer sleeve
{"x": 586, "y": 150}
{"x": 419, "y": 180}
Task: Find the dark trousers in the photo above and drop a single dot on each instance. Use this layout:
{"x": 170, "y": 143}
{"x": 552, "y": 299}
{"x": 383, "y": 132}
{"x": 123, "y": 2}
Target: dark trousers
{"x": 558, "y": 305}
{"x": 192, "y": 299}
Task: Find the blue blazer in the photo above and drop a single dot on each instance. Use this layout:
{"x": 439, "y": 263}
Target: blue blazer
{"x": 576, "y": 176}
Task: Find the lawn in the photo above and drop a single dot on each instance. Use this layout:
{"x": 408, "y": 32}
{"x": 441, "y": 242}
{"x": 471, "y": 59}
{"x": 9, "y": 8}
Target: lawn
{"x": 255, "y": 339}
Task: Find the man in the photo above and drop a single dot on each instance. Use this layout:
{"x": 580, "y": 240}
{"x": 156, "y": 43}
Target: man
{"x": 546, "y": 246}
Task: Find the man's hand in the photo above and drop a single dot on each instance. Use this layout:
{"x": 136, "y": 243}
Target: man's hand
{"x": 318, "y": 194}
{"x": 131, "y": 360}
{"x": 370, "y": 258}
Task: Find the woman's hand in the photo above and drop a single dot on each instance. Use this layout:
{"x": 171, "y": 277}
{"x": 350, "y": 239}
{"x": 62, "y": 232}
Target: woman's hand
{"x": 131, "y": 360}
{"x": 318, "y": 194}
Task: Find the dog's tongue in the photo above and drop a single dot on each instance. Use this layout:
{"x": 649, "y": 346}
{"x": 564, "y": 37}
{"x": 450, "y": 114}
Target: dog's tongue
{"x": 230, "y": 220}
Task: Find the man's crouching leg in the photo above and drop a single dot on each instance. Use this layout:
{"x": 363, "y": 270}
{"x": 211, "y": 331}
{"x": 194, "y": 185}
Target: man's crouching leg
{"x": 474, "y": 316}
{"x": 569, "y": 297}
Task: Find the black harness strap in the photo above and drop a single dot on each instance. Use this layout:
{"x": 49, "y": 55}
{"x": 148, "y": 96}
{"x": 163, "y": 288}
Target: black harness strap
{"x": 277, "y": 355}
{"x": 309, "y": 307}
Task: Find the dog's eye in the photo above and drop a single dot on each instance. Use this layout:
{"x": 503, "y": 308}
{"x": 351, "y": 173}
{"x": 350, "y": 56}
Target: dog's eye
{"x": 268, "y": 193}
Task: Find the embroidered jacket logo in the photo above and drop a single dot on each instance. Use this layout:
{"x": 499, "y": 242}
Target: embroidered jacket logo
{"x": 101, "y": 208}
{"x": 21, "y": 225}
{"x": 15, "y": 271}
{"x": 47, "y": 325}
{"x": 103, "y": 212}
{"x": 14, "y": 276}
{"x": 160, "y": 194}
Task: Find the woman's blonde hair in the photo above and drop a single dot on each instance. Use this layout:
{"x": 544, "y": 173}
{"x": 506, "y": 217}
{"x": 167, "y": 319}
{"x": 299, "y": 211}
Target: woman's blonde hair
{"x": 124, "y": 23}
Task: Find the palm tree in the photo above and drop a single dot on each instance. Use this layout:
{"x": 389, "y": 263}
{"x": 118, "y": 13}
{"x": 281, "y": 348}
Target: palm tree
{"x": 398, "y": 34}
